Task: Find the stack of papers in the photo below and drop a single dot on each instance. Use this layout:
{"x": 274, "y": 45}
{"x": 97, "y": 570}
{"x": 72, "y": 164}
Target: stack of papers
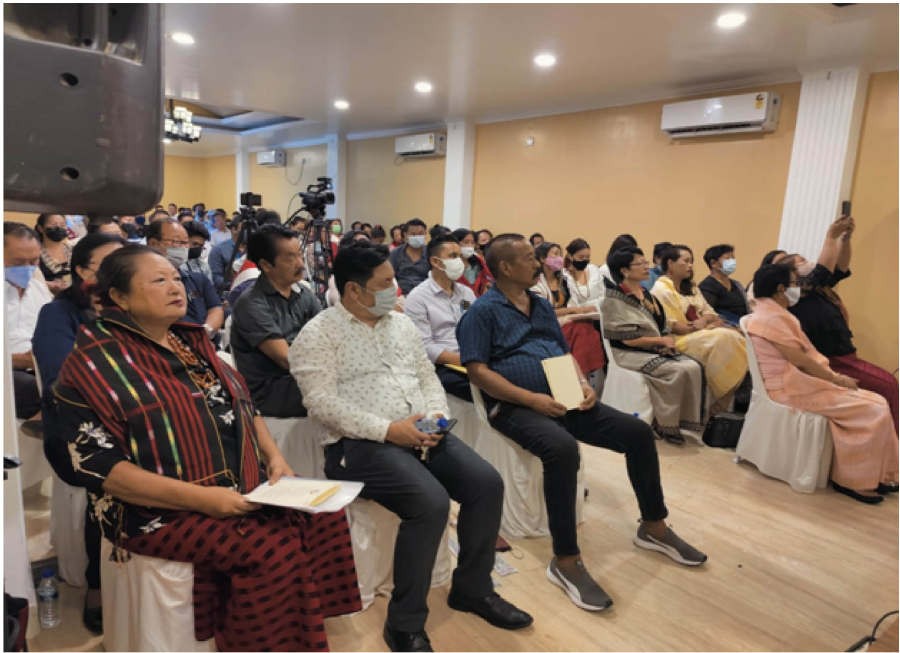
{"x": 306, "y": 494}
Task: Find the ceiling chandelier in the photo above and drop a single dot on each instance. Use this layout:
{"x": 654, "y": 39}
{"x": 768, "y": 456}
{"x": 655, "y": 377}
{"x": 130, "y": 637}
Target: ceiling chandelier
{"x": 178, "y": 125}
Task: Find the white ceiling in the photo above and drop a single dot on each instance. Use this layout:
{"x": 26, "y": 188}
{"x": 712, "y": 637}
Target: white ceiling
{"x": 297, "y": 59}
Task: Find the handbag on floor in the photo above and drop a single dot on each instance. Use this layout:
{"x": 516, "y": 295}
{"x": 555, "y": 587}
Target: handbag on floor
{"x": 723, "y": 430}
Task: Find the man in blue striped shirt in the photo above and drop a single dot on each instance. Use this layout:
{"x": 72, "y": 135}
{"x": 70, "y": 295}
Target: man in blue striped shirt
{"x": 502, "y": 339}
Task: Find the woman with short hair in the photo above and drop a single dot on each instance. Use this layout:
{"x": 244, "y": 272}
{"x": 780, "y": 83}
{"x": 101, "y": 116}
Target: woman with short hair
{"x": 164, "y": 436}
{"x": 635, "y": 324}
{"x": 797, "y": 375}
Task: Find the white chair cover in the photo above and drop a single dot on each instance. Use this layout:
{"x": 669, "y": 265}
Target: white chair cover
{"x": 67, "y": 515}
{"x": 785, "y": 443}
{"x": 35, "y": 467}
{"x": 373, "y": 531}
{"x": 300, "y": 441}
{"x": 524, "y": 509}
{"x": 148, "y": 604}
{"x": 626, "y": 390}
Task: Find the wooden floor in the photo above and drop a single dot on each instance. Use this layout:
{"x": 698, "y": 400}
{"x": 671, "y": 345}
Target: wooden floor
{"x": 787, "y": 571}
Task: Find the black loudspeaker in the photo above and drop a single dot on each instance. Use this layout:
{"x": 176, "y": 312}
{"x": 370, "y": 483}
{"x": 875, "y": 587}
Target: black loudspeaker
{"x": 82, "y": 108}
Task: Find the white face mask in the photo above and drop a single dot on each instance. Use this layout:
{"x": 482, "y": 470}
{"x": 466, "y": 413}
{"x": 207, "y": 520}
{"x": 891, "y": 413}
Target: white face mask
{"x": 792, "y": 294}
{"x": 467, "y": 252}
{"x": 729, "y": 265}
{"x": 453, "y": 267}
{"x": 384, "y": 301}
{"x": 177, "y": 255}
{"x": 416, "y": 242}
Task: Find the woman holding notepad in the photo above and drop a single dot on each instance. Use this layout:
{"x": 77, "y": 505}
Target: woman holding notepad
{"x": 165, "y": 438}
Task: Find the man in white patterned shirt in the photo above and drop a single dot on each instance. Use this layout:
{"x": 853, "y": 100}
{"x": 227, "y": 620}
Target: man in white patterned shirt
{"x": 364, "y": 374}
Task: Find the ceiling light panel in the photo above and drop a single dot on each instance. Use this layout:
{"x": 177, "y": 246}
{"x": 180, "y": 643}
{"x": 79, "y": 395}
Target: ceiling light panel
{"x": 182, "y": 38}
{"x": 545, "y": 60}
{"x": 731, "y": 20}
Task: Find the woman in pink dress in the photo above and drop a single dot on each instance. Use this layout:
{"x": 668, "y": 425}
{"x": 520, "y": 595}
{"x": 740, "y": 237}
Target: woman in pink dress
{"x": 795, "y": 374}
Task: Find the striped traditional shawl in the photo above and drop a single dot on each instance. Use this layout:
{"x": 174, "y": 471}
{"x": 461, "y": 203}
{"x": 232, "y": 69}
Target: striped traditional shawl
{"x": 160, "y": 424}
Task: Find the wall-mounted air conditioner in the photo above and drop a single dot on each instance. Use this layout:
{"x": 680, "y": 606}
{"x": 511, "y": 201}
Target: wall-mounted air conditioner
{"x": 421, "y": 145}
{"x": 733, "y": 114}
{"x": 270, "y": 158}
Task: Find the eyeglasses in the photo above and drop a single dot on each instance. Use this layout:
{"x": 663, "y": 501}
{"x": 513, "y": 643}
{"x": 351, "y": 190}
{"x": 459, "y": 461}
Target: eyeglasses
{"x": 175, "y": 243}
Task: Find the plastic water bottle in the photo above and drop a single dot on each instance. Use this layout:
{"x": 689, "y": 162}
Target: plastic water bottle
{"x": 48, "y": 599}
{"x": 430, "y": 425}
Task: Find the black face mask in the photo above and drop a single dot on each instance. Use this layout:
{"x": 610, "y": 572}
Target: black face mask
{"x": 56, "y": 234}
{"x": 580, "y": 265}
{"x": 195, "y": 252}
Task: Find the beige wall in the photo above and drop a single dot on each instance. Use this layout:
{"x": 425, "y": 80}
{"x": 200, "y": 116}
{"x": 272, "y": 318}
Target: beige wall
{"x": 600, "y": 173}
{"x": 188, "y": 180}
{"x": 219, "y": 183}
{"x": 871, "y": 293}
{"x": 383, "y": 189}
{"x": 278, "y": 185}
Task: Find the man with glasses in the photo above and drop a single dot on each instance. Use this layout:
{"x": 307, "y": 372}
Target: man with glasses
{"x": 204, "y": 306}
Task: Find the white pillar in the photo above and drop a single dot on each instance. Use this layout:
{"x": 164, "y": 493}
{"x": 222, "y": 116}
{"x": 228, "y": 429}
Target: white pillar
{"x": 241, "y": 173}
{"x": 823, "y": 156}
{"x": 337, "y": 170}
{"x": 458, "y": 174}
{"x": 16, "y": 565}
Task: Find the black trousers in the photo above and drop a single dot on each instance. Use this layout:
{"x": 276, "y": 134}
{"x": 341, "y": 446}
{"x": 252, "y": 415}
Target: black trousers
{"x": 456, "y": 383}
{"x": 555, "y": 442}
{"x": 25, "y": 391}
{"x": 419, "y": 493}
{"x": 280, "y": 397}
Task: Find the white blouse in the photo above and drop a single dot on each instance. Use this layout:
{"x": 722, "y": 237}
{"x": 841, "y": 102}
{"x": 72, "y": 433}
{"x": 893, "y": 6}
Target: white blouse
{"x": 591, "y": 294}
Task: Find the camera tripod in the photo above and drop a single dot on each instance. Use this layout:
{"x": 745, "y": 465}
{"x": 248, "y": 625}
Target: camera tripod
{"x": 315, "y": 244}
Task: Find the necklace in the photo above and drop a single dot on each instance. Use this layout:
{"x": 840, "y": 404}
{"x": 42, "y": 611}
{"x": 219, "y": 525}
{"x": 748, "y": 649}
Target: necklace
{"x": 201, "y": 374}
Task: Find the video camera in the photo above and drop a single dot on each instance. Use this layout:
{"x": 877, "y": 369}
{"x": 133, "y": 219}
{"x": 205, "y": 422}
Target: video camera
{"x": 317, "y": 197}
{"x": 249, "y": 202}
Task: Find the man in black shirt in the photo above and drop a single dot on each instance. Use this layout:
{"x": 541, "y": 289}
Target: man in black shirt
{"x": 724, "y": 294}
{"x": 408, "y": 260}
{"x": 268, "y": 317}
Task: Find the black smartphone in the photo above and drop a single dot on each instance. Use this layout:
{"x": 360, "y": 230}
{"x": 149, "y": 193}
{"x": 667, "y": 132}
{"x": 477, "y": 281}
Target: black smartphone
{"x": 845, "y": 207}
{"x": 450, "y": 424}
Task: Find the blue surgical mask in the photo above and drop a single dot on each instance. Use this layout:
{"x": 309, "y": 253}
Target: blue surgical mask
{"x": 384, "y": 301}
{"x": 729, "y": 265}
{"x": 416, "y": 242}
{"x": 20, "y": 275}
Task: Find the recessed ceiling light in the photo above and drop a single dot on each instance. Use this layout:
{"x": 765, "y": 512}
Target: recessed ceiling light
{"x": 341, "y": 105}
{"x": 731, "y": 20}
{"x": 182, "y": 38}
{"x": 545, "y": 60}
{"x": 423, "y": 87}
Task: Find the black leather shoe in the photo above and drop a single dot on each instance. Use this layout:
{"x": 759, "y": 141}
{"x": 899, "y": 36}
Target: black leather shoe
{"x": 92, "y": 618}
{"x": 853, "y": 494}
{"x": 493, "y": 609}
{"x": 887, "y": 488}
{"x": 398, "y": 640}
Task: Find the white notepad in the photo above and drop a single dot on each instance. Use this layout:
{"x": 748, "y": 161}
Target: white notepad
{"x": 562, "y": 377}
{"x": 306, "y": 494}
